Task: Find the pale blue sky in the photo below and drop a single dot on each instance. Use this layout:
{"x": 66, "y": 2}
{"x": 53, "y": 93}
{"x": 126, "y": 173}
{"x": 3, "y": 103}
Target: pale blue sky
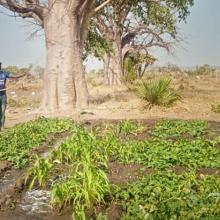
{"x": 201, "y": 34}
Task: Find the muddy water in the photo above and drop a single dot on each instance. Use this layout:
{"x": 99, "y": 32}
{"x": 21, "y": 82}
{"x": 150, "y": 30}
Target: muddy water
{"x": 34, "y": 205}
{"x": 8, "y": 181}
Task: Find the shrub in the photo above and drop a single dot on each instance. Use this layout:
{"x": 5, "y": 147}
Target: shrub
{"x": 158, "y": 92}
{"x": 216, "y": 107}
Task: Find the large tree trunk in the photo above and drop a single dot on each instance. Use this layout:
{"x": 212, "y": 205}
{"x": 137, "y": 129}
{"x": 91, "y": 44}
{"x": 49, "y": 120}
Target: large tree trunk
{"x": 64, "y": 80}
{"x": 113, "y": 65}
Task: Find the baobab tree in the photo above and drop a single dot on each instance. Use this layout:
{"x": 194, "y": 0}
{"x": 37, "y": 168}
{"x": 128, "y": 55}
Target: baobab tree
{"x": 65, "y": 24}
{"x": 132, "y": 26}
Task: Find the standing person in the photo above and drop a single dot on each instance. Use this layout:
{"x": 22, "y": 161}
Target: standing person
{"x": 3, "y": 96}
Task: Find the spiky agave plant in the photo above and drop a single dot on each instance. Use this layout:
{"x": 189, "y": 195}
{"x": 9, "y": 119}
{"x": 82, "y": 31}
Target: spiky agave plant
{"x": 158, "y": 92}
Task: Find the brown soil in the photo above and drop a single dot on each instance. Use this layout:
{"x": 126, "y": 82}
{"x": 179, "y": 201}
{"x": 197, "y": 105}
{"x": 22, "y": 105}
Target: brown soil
{"x": 10, "y": 191}
{"x": 4, "y": 166}
{"x": 126, "y": 173}
{"x": 114, "y": 212}
{"x": 53, "y": 141}
{"x": 209, "y": 171}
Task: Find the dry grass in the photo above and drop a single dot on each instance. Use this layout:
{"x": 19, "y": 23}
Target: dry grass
{"x": 199, "y": 93}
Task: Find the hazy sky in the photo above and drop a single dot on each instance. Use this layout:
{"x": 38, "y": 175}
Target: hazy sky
{"x": 201, "y": 40}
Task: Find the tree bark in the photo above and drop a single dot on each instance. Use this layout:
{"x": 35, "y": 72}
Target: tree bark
{"x": 64, "y": 80}
{"x": 113, "y": 65}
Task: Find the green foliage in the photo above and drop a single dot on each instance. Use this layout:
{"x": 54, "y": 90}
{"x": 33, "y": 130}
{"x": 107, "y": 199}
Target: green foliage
{"x": 16, "y": 143}
{"x": 81, "y": 143}
{"x": 201, "y": 70}
{"x": 87, "y": 183}
{"x": 177, "y": 128}
{"x": 96, "y": 45}
{"x": 133, "y": 64}
{"x": 181, "y": 148}
{"x": 39, "y": 172}
{"x": 162, "y": 195}
{"x": 165, "y": 196}
{"x": 162, "y": 17}
{"x": 161, "y": 154}
{"x": 84, "y": 188}
{"x": 128, "y": 127}
{"x": 215, "y": 107}
{"x": 130, "y": 69}
{"x": 158, "y": 92}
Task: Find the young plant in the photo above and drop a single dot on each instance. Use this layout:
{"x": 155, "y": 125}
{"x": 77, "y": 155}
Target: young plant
{"x": 129, "y": 127}
{"x": 158, "y": 92}
{"x": 85, "y": 187}
{"x": 39, "y": 172}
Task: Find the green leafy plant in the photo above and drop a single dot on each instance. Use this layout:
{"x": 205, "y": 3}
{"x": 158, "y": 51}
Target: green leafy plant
{"x": 161, "y": 154}
{"x": 158, "y": 92}
{"x": 165, "y": 196}
{"x": 16, "y": 143}
{"x": 178, "y": 128}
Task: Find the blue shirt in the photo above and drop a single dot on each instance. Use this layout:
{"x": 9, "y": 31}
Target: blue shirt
{"x": 3, "y": 77}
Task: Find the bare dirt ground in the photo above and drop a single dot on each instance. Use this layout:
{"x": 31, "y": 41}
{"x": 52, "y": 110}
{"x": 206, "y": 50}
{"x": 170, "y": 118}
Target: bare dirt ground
{"x": 198, "y": 92}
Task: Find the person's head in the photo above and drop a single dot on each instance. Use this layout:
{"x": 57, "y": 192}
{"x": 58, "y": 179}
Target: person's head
{"x": 0, "y": 66}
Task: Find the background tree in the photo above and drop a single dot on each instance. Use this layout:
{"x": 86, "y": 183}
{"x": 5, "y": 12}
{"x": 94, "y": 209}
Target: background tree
{"x": 135, "y": 65}
{"x": 65, "y": 24}
{"x": 132, "y": 26}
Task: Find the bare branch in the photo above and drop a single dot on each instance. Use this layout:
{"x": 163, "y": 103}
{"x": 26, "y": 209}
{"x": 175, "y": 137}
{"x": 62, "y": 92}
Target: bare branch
{"x": 98, "y": 8}
{"x": 26, "y": 9}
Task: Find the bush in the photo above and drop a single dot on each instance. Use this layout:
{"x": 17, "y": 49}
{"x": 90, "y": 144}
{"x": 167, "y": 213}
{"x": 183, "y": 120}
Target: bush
{"x": 158, "y": 92}
{"x": 201, "y": 70}
{"x": 216, "y": 107}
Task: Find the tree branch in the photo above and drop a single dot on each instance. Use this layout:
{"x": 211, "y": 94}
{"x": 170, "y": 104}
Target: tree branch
{"x": 98, "y": 8}
{"x": 26, "y": 9}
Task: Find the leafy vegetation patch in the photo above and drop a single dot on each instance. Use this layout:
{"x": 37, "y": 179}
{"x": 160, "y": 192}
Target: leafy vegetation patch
{"x": 15, "y": 143}
{"x": 165, "y": 195}
{"x": 161, "y": 153}
{"x": 175, "y": 129}
{"x": 77, "y": 171}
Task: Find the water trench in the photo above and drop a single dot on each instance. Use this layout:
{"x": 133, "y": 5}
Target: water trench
{"x": 33, "y": 205}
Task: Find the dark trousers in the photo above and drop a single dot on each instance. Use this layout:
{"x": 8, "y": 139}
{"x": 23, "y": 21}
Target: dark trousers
{"x": 3, "y": 104}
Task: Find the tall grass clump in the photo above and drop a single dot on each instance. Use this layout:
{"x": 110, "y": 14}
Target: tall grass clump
{"x": 85, "y": 188}
{"x": 158, "y": 92}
